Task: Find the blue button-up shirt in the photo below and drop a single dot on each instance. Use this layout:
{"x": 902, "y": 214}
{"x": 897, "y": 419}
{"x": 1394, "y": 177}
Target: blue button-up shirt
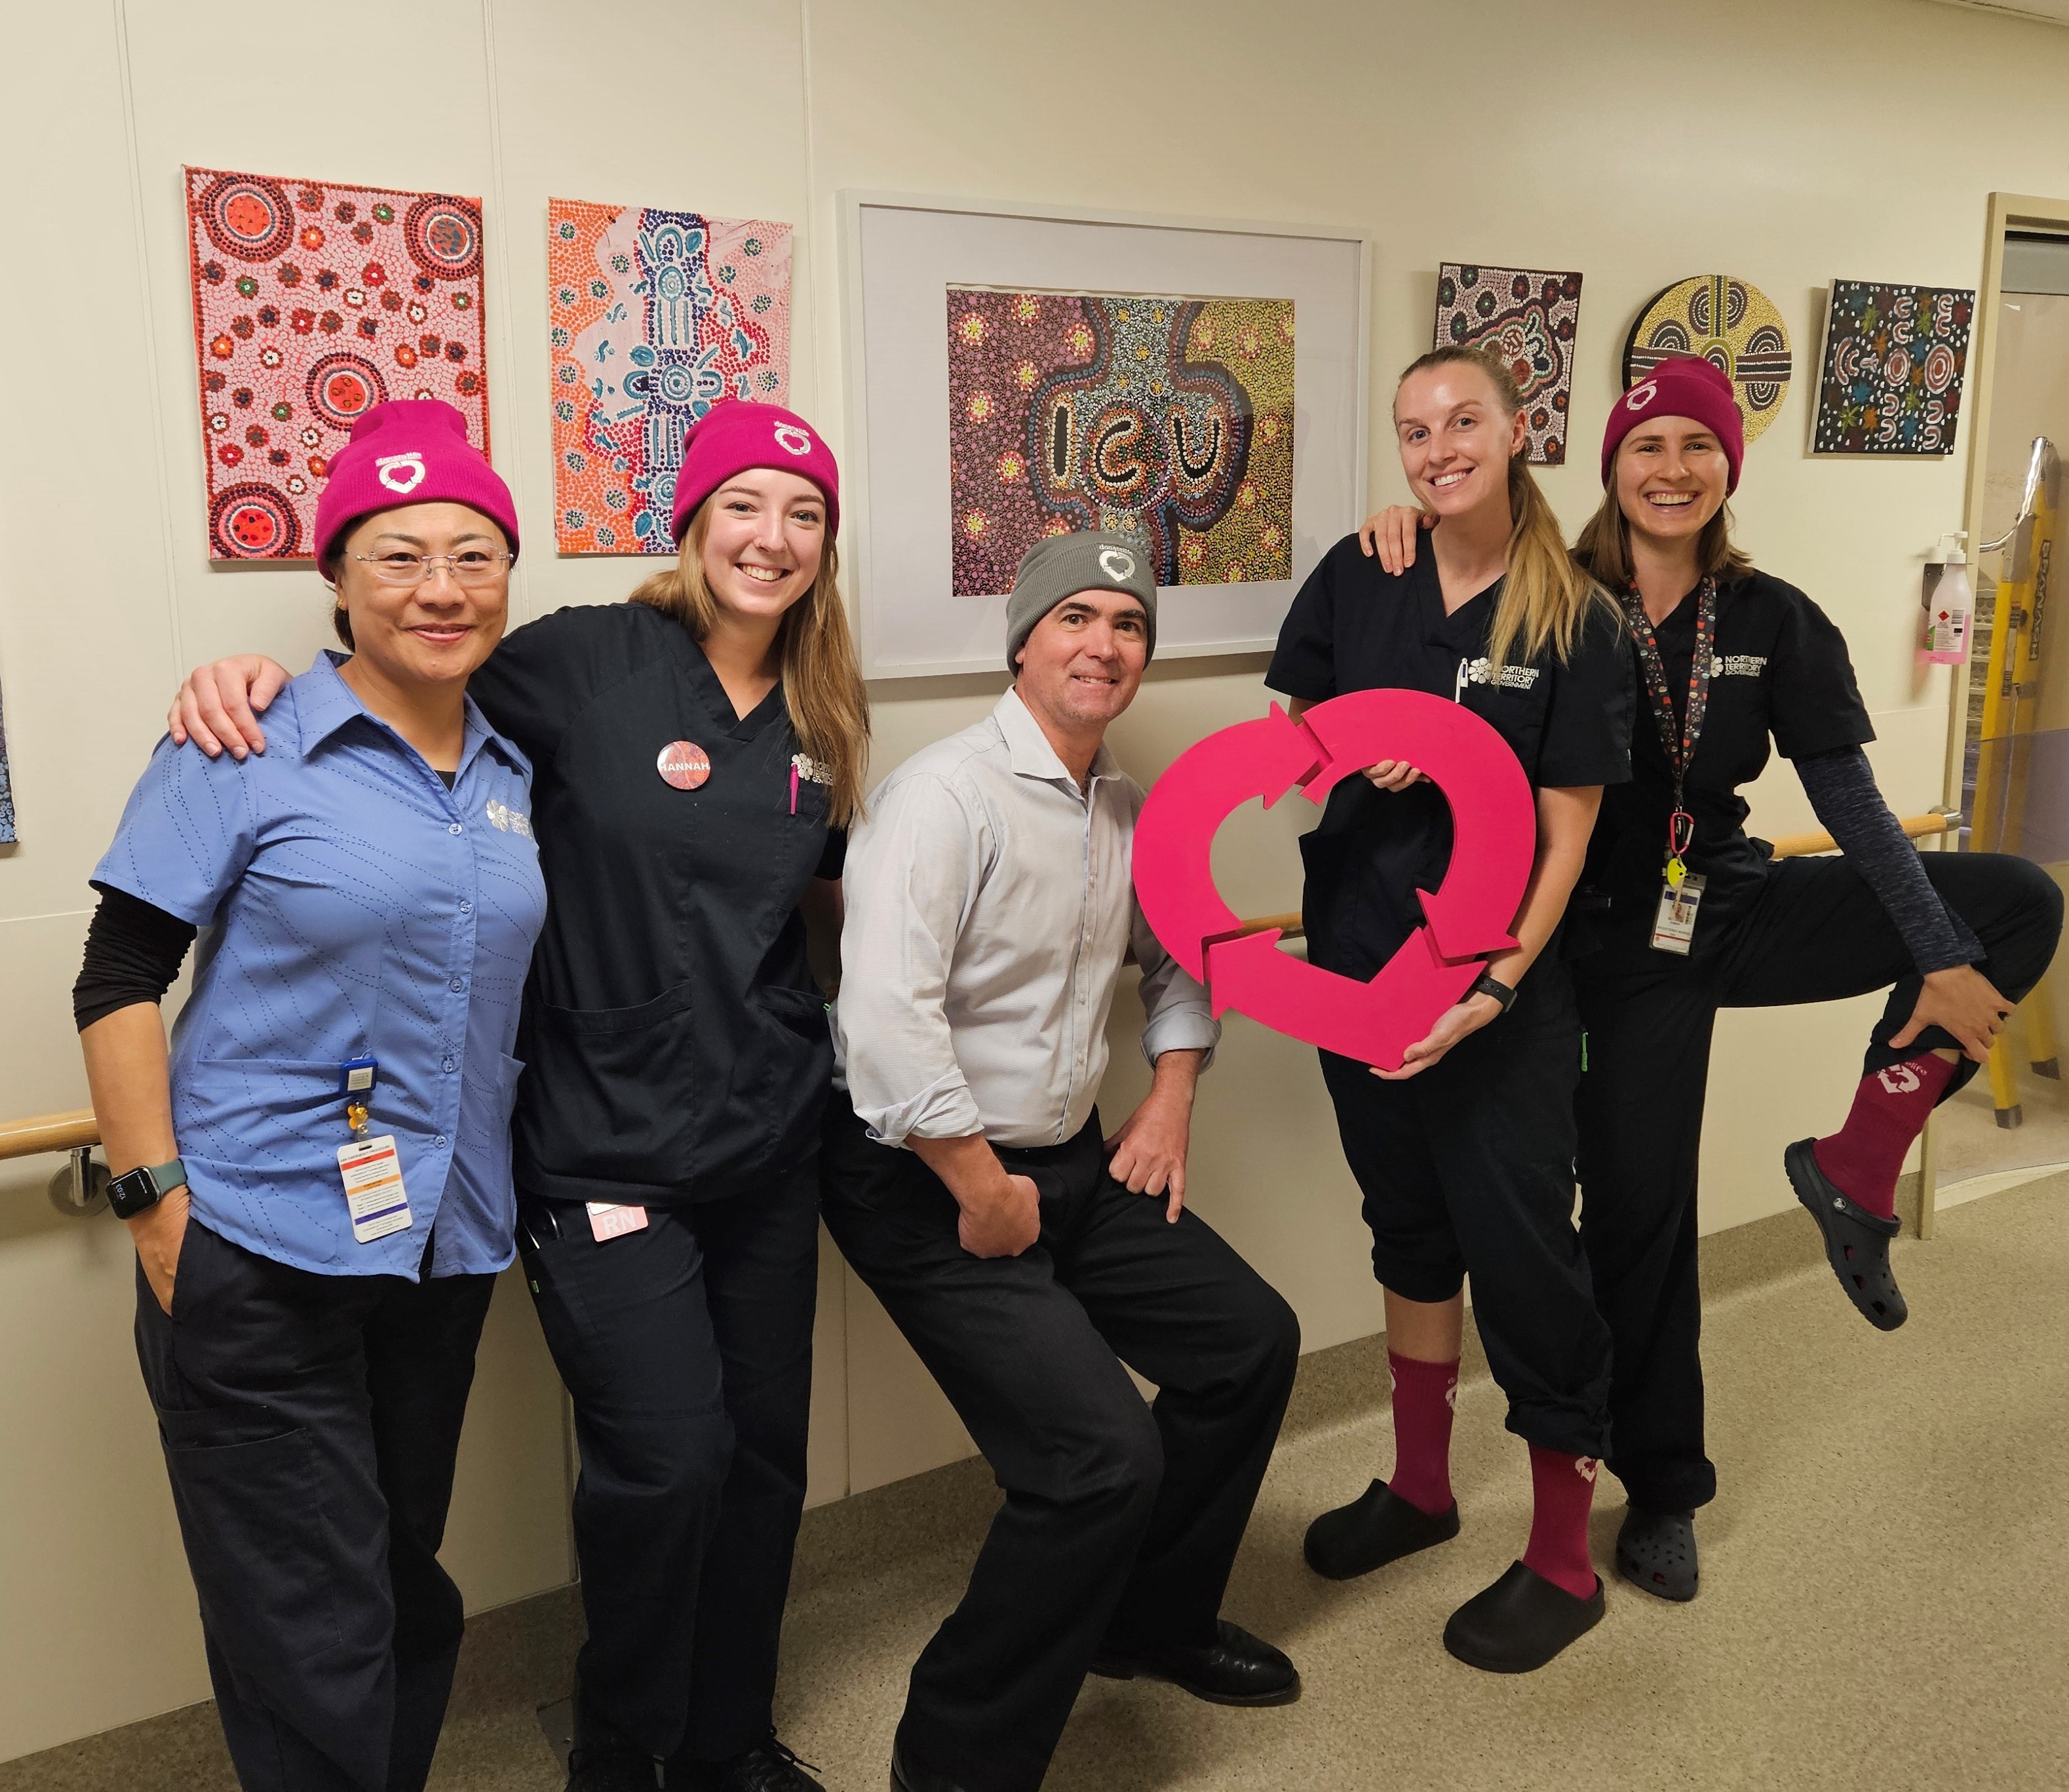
{"x": 350, "y": 906}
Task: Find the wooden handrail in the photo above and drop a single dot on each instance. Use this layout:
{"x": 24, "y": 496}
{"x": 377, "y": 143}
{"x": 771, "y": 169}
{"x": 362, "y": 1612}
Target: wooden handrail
{"x": 72, "y": 1132}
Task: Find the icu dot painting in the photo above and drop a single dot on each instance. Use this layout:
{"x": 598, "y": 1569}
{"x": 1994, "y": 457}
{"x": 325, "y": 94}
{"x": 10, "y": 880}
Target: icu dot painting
{"x": 1169, "y": 417}
{"x": 313, "y": 303}
{"x": 1527, "y": 318}
{"x": 1891, "y": 378}
{"x": 655, "y": 317}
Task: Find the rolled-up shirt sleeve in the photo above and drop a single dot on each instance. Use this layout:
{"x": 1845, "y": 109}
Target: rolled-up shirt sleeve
{"x": 1177, "y": 1015}
{"x": 913, "y": 868}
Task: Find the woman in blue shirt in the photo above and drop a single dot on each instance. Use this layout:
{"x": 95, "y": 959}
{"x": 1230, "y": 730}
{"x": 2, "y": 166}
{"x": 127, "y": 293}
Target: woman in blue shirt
{"x": 317, "y": 1177}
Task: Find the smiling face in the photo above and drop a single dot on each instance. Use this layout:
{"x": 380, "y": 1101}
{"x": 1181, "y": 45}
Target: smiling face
{"x": 1671, "y": 478}
{"x": 439, "y": 629}
{"x": 764, "y": 533}
{"x": 1083, "y": 660}
{"x": 1457, "y": 438}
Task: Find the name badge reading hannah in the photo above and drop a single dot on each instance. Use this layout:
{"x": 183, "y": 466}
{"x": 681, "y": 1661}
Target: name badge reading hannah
{"x": 1675, "y": 926}
{"x": 373, "y": 1190}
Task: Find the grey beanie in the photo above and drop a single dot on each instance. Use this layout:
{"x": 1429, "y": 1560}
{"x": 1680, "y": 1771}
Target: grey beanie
{"x": 1060, "y": 566}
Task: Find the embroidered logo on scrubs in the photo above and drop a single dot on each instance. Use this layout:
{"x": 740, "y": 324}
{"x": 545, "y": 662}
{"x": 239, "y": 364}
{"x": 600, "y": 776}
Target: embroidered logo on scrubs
{"x": 502, "y": 816}
{"x": 792, "y": 440}
{"x": 401, "y": 472}
{"x": 1118, "y": 563}
{"x": 1898, "y": 1079}
{"x": 810, "y": 769}
{"x": 1738, "y": 665}
{"x": 1638, "y": 397}
{"x": 1513, "y": 678}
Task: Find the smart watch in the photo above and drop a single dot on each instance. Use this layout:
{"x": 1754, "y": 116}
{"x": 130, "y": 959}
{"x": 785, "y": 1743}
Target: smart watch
{"x": 145, "y": 1186}
{"x": 1485, "y": 984}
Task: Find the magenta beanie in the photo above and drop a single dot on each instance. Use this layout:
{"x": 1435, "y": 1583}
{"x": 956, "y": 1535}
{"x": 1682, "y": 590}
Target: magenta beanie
{"x": 736, "y": 433}
{"x": 1686, "y": 386}
{"x": 410, "y": 451}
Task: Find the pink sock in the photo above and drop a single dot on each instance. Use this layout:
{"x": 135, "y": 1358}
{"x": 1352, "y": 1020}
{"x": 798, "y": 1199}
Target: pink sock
{"x": 1563, "y": 1489}
{"x": 1424, "y": 1396}
{"x": 1865, "y": 1157}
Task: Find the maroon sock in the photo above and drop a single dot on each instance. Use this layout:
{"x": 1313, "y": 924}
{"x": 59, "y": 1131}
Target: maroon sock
{"x": 1563, "y": 1489}
{"x": 1864, "y": 1158}
{"x": 1424, "y": 1395}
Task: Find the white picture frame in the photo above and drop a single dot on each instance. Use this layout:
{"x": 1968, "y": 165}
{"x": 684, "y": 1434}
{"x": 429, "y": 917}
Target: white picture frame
{"x": 900, "y": 252}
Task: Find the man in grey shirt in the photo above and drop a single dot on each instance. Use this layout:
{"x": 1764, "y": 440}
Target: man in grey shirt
{"x": 988, "y": 910}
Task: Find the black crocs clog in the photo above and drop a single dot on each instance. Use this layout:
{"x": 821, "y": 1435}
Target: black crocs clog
{"x": 1377, "y": 1527}
{"x": 1856, "y": 1241}
{"x": 1520, "y": 1622}
{"x": 1656, "y": 1550}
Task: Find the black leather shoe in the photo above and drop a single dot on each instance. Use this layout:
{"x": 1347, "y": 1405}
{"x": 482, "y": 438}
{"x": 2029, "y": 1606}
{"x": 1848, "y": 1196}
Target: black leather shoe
{"x": 766, "y": 1767}
{"x": 1377, "y": 1527}
{"x": 1235, "y": 1669}
{"x": 1656, "y": 1550}
{"x": 612, "y": 1769}
{"x": 909, "y": 1775}
{"x": 1520, "y": 1622}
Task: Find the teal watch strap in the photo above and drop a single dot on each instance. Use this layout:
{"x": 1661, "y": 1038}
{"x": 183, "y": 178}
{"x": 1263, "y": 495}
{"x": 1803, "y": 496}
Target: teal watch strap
{"x": 134, "y": 1190}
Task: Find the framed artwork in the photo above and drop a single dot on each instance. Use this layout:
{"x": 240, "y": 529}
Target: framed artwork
{"x": 313, "y": 301}
{"x": 1890, "y": 378}
{"x": 1727, "y": 321}
{"x": 1529, "y": 317}
{"x": 1017, "y": 372}
{"x": 654, "y": 317}
{"x": 6, "y": 785}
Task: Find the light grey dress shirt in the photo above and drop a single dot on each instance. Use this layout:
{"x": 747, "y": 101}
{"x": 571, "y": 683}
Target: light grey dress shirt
{"x": 989, "y": 905}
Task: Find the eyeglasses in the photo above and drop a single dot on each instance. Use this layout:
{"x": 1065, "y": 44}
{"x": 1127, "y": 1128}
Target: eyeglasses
{"x": 470, "y": 566}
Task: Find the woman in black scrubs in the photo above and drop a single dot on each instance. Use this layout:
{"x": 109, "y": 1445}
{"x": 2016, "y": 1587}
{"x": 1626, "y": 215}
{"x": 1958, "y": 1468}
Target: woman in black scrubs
{"x": 1465, "y": 1155}
{"x": 1962, "y": 936}
{"x": 698, "y": 754}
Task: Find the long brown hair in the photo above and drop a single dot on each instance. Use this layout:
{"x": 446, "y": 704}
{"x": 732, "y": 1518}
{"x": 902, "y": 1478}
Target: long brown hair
{"x": 823, "y": 686}
{"x": 1603, "y": 548}
{"x": 1545, "y": 597}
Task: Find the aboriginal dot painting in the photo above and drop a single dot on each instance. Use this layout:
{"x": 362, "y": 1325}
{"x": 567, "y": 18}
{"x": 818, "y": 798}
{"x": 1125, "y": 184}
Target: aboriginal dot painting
{"x": 1170, "y": 418}
{"x": 311, "y": 302}
{"x": 1527, "y": 318}
{"x": 1731, "y": 323}
{"x": 1891, "y": 381}
{"x": 655, "y": 316}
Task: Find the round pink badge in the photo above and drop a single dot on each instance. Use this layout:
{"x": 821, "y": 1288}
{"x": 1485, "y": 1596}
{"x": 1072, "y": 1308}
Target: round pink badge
{"x": 683, "y": 764}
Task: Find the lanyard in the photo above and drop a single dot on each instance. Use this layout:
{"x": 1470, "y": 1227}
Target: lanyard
{"x": 1680, "y": 749}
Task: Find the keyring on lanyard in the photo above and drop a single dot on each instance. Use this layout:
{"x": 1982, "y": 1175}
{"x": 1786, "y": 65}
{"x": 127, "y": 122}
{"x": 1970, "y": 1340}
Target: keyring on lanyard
{"x": 1680, "y": 835}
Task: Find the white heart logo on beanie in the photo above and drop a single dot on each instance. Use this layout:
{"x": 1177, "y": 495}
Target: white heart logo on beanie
{"x": 1118, "y": 563}
{"x": 792, "y": 440}
{"x": 401, "y": 472}
{"x": 1640, "y": 396}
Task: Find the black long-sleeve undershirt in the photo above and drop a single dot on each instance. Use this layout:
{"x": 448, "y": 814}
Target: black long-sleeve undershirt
{"x": 133, "y": 953}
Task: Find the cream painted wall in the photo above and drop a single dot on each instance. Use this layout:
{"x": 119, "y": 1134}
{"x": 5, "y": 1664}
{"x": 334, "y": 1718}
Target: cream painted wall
{"x": 1765, "y": 144}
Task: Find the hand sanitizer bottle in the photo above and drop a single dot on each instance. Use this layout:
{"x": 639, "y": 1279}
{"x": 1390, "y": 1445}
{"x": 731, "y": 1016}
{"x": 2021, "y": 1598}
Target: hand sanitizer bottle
{"x": 1950, "y": 610}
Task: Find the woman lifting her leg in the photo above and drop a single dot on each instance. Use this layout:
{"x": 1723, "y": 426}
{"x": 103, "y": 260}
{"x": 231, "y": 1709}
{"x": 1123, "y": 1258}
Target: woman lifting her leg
{"x": 1465, "y": 1155}
{"x": 1731, "y": 658}
{"x": 699, "y": 752}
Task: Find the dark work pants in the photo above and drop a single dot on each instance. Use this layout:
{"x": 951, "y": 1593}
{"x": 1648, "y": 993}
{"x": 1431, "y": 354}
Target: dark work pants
{"x": 1468, "y": 1169}
{"x": 688, "y": 1350}
{"x": 1816, "y": 933}
{"x": 310, "y": 1425}
{"x": 1120, "y": 1519}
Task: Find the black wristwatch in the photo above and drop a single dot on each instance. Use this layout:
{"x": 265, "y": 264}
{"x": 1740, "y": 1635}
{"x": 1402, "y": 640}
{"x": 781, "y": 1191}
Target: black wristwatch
{"x": 145, "y": 1186}
{"x": 1485, "y": 984}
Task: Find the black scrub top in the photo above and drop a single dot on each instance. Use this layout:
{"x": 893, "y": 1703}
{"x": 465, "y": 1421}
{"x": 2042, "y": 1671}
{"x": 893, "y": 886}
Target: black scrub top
{"x": 676, "y": 1047}
{"x": 1355, "y": 626}
{"x": 1780, "y": 669}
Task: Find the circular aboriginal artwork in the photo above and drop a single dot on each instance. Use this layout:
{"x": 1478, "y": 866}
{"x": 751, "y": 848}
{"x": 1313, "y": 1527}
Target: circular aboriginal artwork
{"x": 253, "y": 522}
{"x": 444, "y": 236}
{"x": 340, "y": 386}
{"x": 248, "y": 218}
{"x": 1729, "y": 323}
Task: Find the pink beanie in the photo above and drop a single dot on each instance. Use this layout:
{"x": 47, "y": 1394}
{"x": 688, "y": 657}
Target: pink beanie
{"x": 736, "y": 433}
{"x": 410, "y": 451}
{"x": 1686, "y": 387}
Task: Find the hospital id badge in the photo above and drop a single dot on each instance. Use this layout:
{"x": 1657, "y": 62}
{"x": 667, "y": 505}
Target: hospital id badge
{"x": 608, "y": 1220}
{"x": 1674, "y": 925}
{"x": 373, "y": 1190}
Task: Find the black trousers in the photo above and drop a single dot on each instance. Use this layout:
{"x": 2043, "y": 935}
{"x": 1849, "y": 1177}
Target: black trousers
{"x": 310, "y": 1425}
{"x": 1120, "y": 1519}
{"x": 688, "y": 1350}
{"x": 1816, "y": 934}
{"x": 1468, "y": 1169}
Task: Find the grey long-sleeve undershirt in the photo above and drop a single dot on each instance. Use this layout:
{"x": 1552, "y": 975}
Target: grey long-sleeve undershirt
{"x": 1844, "y": 796}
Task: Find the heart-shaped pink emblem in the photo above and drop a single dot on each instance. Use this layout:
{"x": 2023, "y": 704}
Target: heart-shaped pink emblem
{"x": 1494, "y": 835}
